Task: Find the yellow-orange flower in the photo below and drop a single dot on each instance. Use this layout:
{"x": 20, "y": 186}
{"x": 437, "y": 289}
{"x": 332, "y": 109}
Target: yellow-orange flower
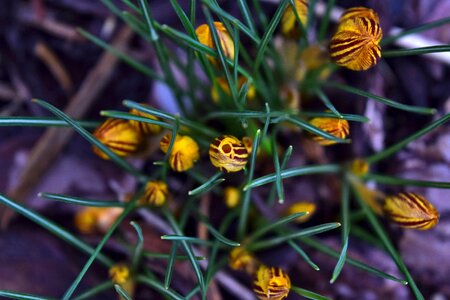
{"x": 411, "y": 210}
{"x": 205, "y": 37}
{"x": 355, "y": 45}
{"x": 359, "y": 167}
{"x": 228, "y": 153}
{"x": 241, "y": 259}
{"x": 156, "y": 193}
{"x": 185, "y": 152}
{"x": 142, "y": 127}
{"x": 119, "y": 273}
{"x": 271, "y": 283}
{"x": 119, "y": 136}
{"x": 223, "y": 85}
{"x": 90, "y": 220}
{"x": 301, "y": 206}
{"x": 232, "y": 196}
{"x": 337, "y": 127}
{"x": 289, "y": 24}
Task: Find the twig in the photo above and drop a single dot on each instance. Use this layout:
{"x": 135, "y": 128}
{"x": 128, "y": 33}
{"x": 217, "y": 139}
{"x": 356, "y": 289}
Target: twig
{"x": 54, "y": 139}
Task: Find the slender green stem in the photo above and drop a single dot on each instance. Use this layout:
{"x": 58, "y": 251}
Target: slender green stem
{"x": 384, "y": 179}
{"x": 95, "y": 290}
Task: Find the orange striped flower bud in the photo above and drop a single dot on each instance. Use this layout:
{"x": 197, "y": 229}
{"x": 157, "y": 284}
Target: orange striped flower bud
{"x": 228, "y": 153}
{"x": 355, "y": 45}
{"x": 156, "y": 193}
{"x": 360, "y": 12}
{"x": 119, "y": 136}
{"x": 91, "y": 220}
{"x": 142, "y": 127}
{"x": 271, "y": 283}
{"x": 301, "y": 206}
{"x": 411, "y": 210}
{"x": 223, "y": 85}
{"x": 232, "y": 196}
{"x": 242, "y": 260}
{"x": 337, "y": 127}
{"x": 289, "y": 24}
{"x": 185, "y": 152}
{"x": 205, "y": 37}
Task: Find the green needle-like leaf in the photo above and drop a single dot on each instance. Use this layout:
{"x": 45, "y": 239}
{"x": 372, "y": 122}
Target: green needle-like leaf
{"x": 389, "y": 102}
{"x": 345, "y": 207}
{"x": 272, "y": 226}
{"x": 170, "y": 265}
{"x": 138, "y": 249}
{"x": 122, "y": 292}
{"x": 377, "y": 227}
{"x": 293, "y": 172}
{"x": 415, "y": 51}
{"x": 90, "y": 138}
{"x": 308, "y": 294}
{"x": 42, "y": 122}
{"x": 53, "y": 228}
{"x": 281, "y": 239}
{"x": 81, "y": 201}
{"x": 159, "y": 287}
{"x": 385, "y": 179}
{"x": 22, "y": 296}
{"x": 207, "y": 185}
{"x": 398, "y": 146}
{"x": 303, "y": 254}
{"x": 95, "y": 290}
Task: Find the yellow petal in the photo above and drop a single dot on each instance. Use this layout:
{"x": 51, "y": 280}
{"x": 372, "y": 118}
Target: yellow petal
{"x": 355, "y": 45}
{"x": 271, "y": 283}
{"x": 156, "y": 193}
{"x": 119, "y": 136}
{"x": 301, "y": 206}
{"x": 185, "y": 152}
{"x": 228, "y": 153}
{"x": 411, "y": 210}
{"x": 142, "y": 127}
{"x": 337, "y": 127}
{"x": 204, "y": 36}
{"x": 289, "y": 25}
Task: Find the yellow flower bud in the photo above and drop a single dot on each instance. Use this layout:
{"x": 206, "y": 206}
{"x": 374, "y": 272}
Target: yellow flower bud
{"x": 301, "y": 206}
{"x": 337, "y": 127}
{"x": 228, "y": 153}
{"x": 411, "y": 210}
{"x": 355, "y": 45}
{"x": 271, "y": 283}
{"x": 156, "y": 193}
{"x": 223, "y": 85}
{"x": 205, "y": 37}
{"x": 91, "y": 220}
{"x": 145, "y": 128}
{"x": 361, "y": 12}
{"x": 232, "y": 196}
{"x": 359, "y": 167}
{"x": 119, "y": 136}
{"x": 119, "y": 273}
{"x": 289, "y": 25}
{"x": 241, "y": 259}
{"x": 185, "y": 152}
